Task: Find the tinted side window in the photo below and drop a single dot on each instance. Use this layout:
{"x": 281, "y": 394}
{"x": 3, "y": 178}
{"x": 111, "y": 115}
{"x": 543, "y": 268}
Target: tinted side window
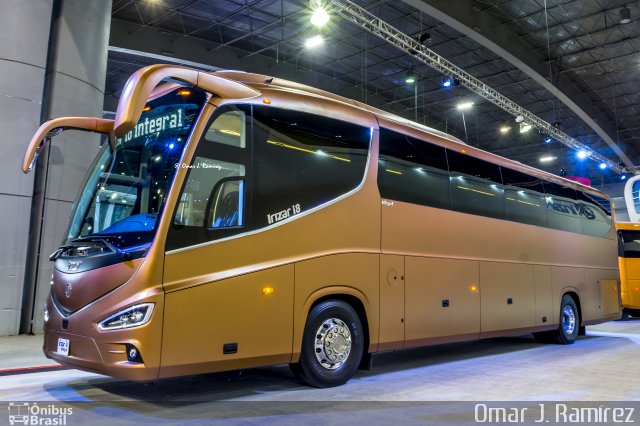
{"x": 562, "y": 208}
{"x": 524, "y": 198}
{"x": 303, "y": 161}
{"x": 476, "y": 186}
{"x": 413, "y": 171}
{"x": 596, "y": 220}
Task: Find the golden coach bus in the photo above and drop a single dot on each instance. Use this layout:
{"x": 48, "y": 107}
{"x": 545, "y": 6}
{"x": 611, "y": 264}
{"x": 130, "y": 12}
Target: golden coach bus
{"x": 629, "y": 261}
{"x": 237, "y": 220}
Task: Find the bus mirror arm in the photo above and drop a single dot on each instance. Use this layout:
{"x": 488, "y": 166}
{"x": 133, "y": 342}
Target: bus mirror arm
{"x": 140, "y": 86}
{"x": 54, "y": 127}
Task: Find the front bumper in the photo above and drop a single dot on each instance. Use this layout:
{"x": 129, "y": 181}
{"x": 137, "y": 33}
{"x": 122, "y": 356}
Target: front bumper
{"x": 104, "y": 352}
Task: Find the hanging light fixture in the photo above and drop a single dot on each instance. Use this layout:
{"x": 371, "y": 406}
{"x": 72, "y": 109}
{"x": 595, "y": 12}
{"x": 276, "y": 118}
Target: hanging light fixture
{"x": 625, "y": 15}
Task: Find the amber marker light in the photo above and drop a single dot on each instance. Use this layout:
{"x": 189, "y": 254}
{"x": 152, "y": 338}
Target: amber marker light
{"x": 184, "y": 92}
{"x": 464, "y": 151}
{"x": 267, "y": 290}
{"x": 473, "y": 288}
{"x": 266, "y": 101}
{"x": 146, "y": 109}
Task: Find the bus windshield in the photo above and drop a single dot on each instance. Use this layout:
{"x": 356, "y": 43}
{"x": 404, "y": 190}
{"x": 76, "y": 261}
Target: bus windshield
{"x": 126, "y": 188}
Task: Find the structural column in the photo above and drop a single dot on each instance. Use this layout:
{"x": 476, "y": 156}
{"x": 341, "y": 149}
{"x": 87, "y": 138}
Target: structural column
{"x": 53, "y": 63}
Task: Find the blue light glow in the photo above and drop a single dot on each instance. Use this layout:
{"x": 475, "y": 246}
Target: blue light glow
{"x": 447, "y": 82}
{"x": 582, "y": 154}
{"x": 603, "y": 166}
{"x": 171, "y": 146}
{"x": 623, "y": 177}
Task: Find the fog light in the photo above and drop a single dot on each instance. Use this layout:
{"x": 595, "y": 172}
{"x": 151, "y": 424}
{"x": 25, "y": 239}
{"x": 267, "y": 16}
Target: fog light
{"x": 133, "y": 354}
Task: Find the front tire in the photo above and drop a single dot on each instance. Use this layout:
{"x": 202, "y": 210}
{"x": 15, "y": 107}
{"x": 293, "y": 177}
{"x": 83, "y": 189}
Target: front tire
{"x": 569, "y": 326}
{"x": 332, "y": 345}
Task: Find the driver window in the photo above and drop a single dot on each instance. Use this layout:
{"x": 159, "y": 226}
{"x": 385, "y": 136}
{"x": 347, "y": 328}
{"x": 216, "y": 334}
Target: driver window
{"x": 202, "y": 183}
{"x": 213, "y": 201}
{"x": 227, "y": 206}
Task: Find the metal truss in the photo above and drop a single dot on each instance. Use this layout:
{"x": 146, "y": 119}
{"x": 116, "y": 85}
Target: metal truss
{"x": 391, "y": 35}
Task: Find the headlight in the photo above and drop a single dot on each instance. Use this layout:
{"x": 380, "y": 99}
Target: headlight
{"x": 132, "y": 316}
{"x": 45, "y": 314}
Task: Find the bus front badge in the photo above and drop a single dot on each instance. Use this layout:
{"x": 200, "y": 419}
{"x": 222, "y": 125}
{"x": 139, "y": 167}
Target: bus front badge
{"x": 67, "y": 290}
{"x": 73, "y": 266}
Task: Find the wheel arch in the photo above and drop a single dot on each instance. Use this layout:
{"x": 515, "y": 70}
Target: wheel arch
{"x": 353, "y": 297}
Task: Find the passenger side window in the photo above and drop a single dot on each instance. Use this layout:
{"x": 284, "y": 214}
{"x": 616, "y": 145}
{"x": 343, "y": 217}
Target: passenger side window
{"x": 524, "y": 198}
{"x": 303, "y": 161}
{"x": 596, "y": 220}
{"x": 562, "y": 208}
{"x": 413, "y": 171}
{"x": 476, "y": 186}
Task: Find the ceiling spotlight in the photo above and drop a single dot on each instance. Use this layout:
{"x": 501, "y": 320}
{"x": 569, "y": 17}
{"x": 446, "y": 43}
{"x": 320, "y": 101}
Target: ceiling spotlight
{"x": 547, "y": 138}
{"x": 410, "y": 79}
{"x": 424, "y": 37}
{"x": 449, "y": 82}
{"x": 582, "y": 154}
{"x": 547, "y": 159}
{"x": 320, "y": 17}
{"x": 464, "y": 105}
{"x": 504, "y": 129}
{"x": 524, "y": 127}
{"x": 563, "y": 172}
{"x": 623, "y": 177}
{"x": 519, "y": 119}
{"x": 602, "y": 166}
{"x": 314, "y": 41}
{"x": 625, "y": 15}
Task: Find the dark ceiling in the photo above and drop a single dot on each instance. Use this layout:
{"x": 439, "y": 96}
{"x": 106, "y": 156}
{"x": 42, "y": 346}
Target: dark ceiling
{"x": 583, "y": 43}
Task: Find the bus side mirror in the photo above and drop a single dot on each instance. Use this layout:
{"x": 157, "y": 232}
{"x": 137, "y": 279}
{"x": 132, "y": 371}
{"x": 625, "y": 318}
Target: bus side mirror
{"x": 56, "y": 126}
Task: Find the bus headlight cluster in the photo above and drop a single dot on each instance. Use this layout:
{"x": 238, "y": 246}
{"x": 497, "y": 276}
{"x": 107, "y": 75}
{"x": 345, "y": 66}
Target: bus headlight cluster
{"x": 132, "y": 316}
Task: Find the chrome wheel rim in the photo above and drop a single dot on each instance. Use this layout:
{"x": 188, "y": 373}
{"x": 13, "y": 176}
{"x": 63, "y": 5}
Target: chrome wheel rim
{"x": 568, "y": 319}
{"x": 333, "y": 343}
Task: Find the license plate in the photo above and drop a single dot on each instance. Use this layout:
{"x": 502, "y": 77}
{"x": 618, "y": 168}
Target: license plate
{"x": 63, "y": 347}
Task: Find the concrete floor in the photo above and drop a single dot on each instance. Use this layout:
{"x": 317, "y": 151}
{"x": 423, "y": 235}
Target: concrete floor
{"x": 603, "y": 366}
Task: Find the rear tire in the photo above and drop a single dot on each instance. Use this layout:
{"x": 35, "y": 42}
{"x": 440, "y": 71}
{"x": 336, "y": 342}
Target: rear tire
{"x": 569, "y": 326}
{"x": 332, "y": 345}
{"x": 625, "y": 315}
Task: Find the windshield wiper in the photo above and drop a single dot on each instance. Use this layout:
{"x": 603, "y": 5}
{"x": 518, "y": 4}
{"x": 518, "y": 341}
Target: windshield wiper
{"x": 126, "y": 256}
